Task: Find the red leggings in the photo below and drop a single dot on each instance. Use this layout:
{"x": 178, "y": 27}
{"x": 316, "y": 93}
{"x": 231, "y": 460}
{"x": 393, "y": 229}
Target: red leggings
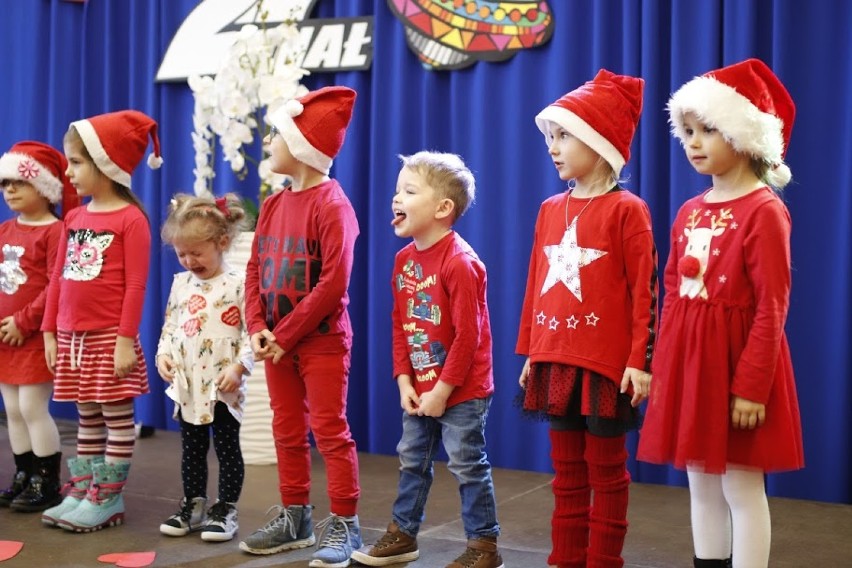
{"x": 308, "y": 391}
{"x": 585, "y": 532}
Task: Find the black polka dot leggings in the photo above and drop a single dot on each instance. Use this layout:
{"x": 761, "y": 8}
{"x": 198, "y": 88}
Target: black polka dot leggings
{"x": 195, "y": 440}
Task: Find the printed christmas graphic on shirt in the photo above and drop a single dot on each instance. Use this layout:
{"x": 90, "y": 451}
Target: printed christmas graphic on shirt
{"x": 84, "y": 256}
{"x": 12, "y": 276}
{"x": 692, "y": 266}
{"x": 425, "y": 354}
{"x": 566, "y": 259}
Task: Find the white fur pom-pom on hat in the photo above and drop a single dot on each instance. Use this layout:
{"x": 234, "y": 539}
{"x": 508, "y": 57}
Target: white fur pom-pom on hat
{"x": 294, "y": 107}
{"x": 747, "y": 103}
{"x": 155, "y": 162}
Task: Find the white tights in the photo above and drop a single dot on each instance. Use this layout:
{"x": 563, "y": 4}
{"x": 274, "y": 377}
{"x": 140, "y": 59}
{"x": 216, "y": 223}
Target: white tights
{"x": 730, "y": 507}
{"x": 31, "y": 428}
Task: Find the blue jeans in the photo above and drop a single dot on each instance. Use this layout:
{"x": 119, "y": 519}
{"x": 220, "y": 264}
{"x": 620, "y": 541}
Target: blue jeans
{"x": 462, "y": 429}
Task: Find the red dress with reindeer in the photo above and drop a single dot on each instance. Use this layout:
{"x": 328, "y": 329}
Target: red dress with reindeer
{"x": 727, "y": 285}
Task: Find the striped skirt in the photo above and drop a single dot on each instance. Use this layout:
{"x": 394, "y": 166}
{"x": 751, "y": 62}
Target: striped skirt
{"x": 85, "y": 368}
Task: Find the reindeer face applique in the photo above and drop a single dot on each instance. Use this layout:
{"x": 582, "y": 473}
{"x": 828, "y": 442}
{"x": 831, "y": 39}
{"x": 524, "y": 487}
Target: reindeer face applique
{"x": 693, "y": 264}
{"x": 12, "y": 276}
{"x": 84, "y": 256}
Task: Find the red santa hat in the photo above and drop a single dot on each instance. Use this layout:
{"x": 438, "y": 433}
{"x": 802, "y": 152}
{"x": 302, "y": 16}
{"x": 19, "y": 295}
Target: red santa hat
{"x": 314, "y": 126}
{"x": 116, "y": 141}
{"x": 602, "y": 113}
{"x": 749, "y": 106}
{"x": 43, "y": 167}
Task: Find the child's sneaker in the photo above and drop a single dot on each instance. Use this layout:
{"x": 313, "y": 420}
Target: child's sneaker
{"x": 340, "y": 537}
{"x": 395, "y": 547}
{"x": 481, "y": 553}
{"x": 189, "y": 518}
{"x": 291, "y": 528}
{"x": 221, "y": 522}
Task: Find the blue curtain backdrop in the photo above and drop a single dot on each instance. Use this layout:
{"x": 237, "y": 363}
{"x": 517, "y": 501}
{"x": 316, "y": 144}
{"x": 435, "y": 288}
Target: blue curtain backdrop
{"x": 61, "y": 61}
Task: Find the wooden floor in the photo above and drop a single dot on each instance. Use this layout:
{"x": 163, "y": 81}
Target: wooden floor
{"x": 805, "y": 534}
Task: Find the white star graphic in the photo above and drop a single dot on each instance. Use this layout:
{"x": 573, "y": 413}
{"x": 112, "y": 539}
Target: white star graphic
{"x": 566, "y": 259}
{"x": 592, "y": 319}
{"x": 553, "y": 323}
{"x": 680, "y": 239}
{"x": 716, "y": 252}
{"x": 734, "y": 225}
{"x": 540, "y": 318}
{"x": 723, "y": 279}
{"x": 707, "y": 213}
{"x": 572, "y": 322}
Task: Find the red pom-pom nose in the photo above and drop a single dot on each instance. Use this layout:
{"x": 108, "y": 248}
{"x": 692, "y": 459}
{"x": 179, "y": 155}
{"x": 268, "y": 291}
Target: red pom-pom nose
{"x": 689, "y": 266}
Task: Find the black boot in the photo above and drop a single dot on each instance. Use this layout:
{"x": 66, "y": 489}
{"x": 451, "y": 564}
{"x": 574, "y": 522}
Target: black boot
{"x": 24, "y": 467}
{"x": 701, "y": 563}
{"x": 43, "y": 490}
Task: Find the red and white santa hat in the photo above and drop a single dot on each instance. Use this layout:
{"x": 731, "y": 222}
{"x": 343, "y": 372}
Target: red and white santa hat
{"x": 314, "y": 126}
{"x": 116, "y": 141}
{"x": 43, "y": 167}
{"x": 748, "y": 105}
{"x": 603, "y": 113}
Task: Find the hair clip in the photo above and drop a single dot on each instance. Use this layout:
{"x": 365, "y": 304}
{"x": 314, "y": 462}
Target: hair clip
{"x": 173, "y": 203}
{"x": 222, "y": 205}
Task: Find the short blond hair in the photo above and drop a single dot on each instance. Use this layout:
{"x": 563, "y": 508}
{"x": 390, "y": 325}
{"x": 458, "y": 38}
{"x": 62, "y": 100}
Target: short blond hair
{"x": 447, "y": 174}
{"x": 200, "y": 219}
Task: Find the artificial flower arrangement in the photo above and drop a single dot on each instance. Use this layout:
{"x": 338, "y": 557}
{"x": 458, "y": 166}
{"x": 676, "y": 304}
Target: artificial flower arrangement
{"x": 260, "y": 73}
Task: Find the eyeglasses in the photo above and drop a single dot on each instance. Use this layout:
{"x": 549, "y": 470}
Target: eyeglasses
{"x": 273, "y": 132}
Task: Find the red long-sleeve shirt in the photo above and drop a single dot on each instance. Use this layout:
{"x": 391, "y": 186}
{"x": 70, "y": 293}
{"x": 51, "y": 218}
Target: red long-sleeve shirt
{"x": 301, "y": 261}
{"x": 101, "y": 272}
{"x": 610, "y": 263}
{"x": 441, "y": 327}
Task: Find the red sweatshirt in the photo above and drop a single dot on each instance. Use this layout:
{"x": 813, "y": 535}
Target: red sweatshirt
{"x": 298, "y": 273}
{"x": 101, "y": 272}
{"x": 441, "y": 328}
{"x": 591, "y": 297}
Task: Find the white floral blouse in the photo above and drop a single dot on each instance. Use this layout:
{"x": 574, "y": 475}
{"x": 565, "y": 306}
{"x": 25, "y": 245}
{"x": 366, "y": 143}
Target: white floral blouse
{"x": 204, "y": 333}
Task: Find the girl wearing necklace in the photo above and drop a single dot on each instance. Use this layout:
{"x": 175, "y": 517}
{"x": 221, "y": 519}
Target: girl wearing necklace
{"x": 589, "y": 317}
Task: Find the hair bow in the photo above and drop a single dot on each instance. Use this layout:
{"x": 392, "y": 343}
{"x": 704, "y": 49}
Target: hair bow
{"x": 222, "y": 205}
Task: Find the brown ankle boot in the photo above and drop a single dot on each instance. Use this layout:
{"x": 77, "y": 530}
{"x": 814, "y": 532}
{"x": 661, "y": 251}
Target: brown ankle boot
{"x": 394, "y": 547}
{"x": 481, "y": 553}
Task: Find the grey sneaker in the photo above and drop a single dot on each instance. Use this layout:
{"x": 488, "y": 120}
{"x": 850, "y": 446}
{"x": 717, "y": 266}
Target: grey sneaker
{"x": 189, "y": 518}
{"x": 291, "y": 528}
{"x": 221, "y": 522}
{"x": 340, "y": 536}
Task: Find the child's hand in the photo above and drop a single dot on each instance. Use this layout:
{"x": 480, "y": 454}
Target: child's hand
{"x": 434, "y": 402}
{"x": 124, "y": 356}
{"x": 10, "y": 332}
{"x": 261, "y": 344}
{"x": 166, "y": 368}
{"x": 408, "y": 399}
{"x": 50, "y": 349}
{"x": 641, "y": 384}
{"x": 230, "y": 379}
{"x": 746, "y": 414}
{"x": 525, "y": 374}
{"x": 276, "y": 353}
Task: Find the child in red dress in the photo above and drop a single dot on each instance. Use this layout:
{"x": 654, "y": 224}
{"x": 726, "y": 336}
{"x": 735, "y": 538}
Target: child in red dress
{"x": 32, "y": 175}
{"x": 724, "y": 405}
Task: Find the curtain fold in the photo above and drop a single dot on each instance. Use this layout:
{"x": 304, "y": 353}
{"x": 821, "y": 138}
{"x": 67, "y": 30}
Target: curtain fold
{"x": 84, "y": 59}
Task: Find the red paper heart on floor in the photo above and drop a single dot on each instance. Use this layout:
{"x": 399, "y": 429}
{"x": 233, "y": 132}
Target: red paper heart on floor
{"x": 129, "y": 559}
{"x": 9, "y": 548}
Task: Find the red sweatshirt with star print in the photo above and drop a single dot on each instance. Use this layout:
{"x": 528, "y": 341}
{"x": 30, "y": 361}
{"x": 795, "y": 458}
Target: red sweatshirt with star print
{"x": 591, "y": 295}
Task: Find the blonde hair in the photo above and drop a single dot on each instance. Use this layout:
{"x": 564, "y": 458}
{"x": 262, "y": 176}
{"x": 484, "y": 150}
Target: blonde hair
{"x": 72, "y": 137}
{"x": 198, "y": 219}
{"x": 447, "y": 175}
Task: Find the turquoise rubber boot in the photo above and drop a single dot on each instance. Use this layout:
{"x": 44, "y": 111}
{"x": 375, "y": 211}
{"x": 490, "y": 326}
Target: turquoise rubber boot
{"x": 104, "y": 505}
{"x": 74, "y": 491}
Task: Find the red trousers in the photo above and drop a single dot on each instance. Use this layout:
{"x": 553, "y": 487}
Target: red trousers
{"x": 307, "y": 391}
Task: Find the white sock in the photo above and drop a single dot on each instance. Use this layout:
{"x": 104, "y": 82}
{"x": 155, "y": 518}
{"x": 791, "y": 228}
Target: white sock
{"x": 752, "y": 529}
{"x": 711, "y": 517}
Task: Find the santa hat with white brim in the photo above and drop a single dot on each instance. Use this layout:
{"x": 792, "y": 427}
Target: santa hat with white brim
{"x": 748, "y": 105}
{"x": 117, "y": 141}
